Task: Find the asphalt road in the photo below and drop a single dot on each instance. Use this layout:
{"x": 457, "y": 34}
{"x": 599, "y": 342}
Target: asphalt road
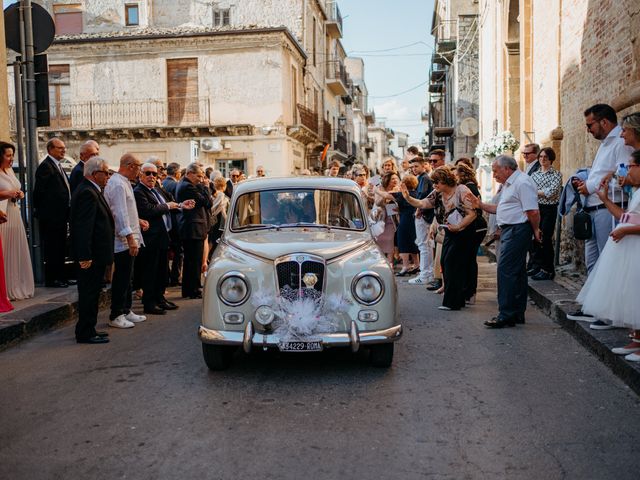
{"x": 459, "y": 402}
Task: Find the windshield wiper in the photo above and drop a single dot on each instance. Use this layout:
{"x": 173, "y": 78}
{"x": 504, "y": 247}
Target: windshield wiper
{"x": 258, "y": 225}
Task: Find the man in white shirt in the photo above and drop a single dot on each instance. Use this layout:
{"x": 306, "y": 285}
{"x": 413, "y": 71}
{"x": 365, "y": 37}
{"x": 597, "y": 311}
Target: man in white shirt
{"x": 602, "y": 123}
{"x": 518, "y": 216}
{"x": 128, "y": 239}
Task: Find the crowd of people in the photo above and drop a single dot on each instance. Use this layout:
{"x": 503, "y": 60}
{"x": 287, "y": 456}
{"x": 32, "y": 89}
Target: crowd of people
{"x": 145, "y": 226}
{"x": 142, "y": 228}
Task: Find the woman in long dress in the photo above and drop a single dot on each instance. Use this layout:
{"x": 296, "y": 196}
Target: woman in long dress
{"x": 17, "y": 261}
{"x": 608, "y": 293}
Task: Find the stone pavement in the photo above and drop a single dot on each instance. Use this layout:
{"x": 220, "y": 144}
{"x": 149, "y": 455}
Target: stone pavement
{"x": 557, "y": 298}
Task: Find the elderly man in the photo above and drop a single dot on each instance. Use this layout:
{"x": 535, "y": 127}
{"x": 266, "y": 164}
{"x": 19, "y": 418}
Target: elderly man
{"x": 88, "y": 149}
{"x": 92, "y": 233}
{"x": 518, "y": 217}
{"x": 260, "y": 171}
{"x": 153, "y": 259}
{"x": 193, "y": 226}
{"x": 128, "y": 240}
{"x": 51, "y": 199}
{"x": 169, "y": 185}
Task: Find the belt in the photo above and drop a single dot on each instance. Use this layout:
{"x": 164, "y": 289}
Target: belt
{"x": 506, "y": 225}
{"x": 599, "y": 207}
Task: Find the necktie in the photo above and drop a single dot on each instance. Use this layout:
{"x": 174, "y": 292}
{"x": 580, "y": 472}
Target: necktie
{"x": 64, "y": 175}
{"x": 166, "y": 217}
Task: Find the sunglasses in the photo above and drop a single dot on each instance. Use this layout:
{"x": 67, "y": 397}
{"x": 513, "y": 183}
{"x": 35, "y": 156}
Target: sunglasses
{"x": 147, "y": 174}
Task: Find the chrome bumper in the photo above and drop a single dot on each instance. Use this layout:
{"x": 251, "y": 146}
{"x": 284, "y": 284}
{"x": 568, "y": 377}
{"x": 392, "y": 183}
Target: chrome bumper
{"x": 249, "y": 338}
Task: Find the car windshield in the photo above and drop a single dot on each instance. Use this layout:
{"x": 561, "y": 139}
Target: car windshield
{"x": 291, "y": 208}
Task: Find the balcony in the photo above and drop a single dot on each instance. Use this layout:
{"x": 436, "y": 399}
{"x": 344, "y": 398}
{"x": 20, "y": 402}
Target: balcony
{"x": 341, "y": 144}
{"x": 446, "y": 33}
{"x": 438, "y": 73}
{"x": 171, "y": 112}
{"x": 325, "y": 132}
{"x": 337, "y": 78}
{"x": 334, "y": 20}
{"x": 308, "y": 118}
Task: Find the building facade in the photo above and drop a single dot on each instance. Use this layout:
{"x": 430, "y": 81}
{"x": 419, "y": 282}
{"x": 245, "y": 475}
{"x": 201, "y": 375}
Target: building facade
{"x": 230, "y": 84}
{"x": 453, "y": 92}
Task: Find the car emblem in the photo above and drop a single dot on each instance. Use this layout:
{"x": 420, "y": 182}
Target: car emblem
{"x": 310, "y": 279}
{"x": 301, "y": 258}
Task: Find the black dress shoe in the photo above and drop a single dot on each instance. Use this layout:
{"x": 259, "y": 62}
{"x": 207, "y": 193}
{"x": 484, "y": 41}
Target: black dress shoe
{"x": 155, "y": 310}
{"x": 435, "y": 285}
{"x": 519, "y": 318}
{"x": 499, "y": 322}
{"x": 100, "y": 334}
{"x": 72, "y": 282}
{"x": 168, "y": 305}
{"x": 195, "y": 295}
{"x": 413, "y": 271}
{"x": 93, "y": 340}
{"x": 533, "y": 271}
{"x": 57, "y": 284}
{"x": 542, "y": 275}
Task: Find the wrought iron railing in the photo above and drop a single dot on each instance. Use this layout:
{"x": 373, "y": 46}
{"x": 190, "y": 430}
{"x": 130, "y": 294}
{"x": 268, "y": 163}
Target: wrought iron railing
{"x": 325, "y": 133}
{"x": 308, "y": 118}
{"x": 169, "y": 112}
{"x": 333, "y": 13}
{"x": 341, "y": 144}
{"x": 337, "y": 71}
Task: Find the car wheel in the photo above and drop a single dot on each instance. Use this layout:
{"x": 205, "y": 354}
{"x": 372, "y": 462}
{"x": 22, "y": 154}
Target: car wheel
{"x": 217, "y": 357}
{"x": 381, "y": 355}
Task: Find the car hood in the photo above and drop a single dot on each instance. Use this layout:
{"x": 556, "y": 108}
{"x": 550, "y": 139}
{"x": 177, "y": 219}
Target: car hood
{"x": 272, "y": 244}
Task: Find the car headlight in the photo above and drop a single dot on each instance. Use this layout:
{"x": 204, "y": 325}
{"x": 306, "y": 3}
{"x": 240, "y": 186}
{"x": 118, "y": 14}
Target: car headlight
{"x": 233, "y": 288}
{"x": 367, "y": 288}
{"x": 264, "y": 315}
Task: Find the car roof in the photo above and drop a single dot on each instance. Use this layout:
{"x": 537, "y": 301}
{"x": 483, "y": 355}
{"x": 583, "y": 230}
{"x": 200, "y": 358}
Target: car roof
{"x": 311, "y": 182}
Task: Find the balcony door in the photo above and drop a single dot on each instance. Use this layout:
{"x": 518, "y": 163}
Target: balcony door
{"x": 182, "y": 91}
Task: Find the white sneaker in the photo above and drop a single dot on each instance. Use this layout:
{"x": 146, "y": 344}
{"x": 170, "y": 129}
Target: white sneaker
{"x": 135, "y": 318}
{"x": 633, "y": 357}
{"x": 120, "y": 322}
{"x": 416, "y": 281}
{"x": 626, "y": 350}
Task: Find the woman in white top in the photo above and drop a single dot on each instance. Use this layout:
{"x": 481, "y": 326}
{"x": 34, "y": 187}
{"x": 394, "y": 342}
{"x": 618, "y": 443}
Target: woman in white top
{"x": 17, "y": 265}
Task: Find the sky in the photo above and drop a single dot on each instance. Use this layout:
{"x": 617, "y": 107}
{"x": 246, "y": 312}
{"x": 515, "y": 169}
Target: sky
{"x": 370, "y": 26}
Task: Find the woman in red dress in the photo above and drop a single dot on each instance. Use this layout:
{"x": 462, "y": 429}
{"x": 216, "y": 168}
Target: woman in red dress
{"x": 5, "y": 304}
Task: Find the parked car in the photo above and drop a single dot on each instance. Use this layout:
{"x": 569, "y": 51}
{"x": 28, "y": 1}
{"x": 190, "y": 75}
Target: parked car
{"x": 298, "y": 270}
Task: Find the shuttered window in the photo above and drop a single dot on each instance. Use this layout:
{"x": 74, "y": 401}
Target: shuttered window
{"x": 182, "y": 90}
{"x": 68, "y": 18}
{"x": 59, "y": 96}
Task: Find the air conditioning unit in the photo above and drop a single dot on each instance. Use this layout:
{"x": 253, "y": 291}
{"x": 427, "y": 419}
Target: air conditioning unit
{"x": 211, "y": 144}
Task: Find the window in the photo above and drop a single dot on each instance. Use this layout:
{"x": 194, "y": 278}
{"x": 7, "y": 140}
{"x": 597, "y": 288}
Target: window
{"x": 313, "y": 47}
{"x": 131, "y": 14}
{"x": 59, "y": 96}
{"x": 221, "y": 17}
{"x": 182, "y": 90}
{"x": 68, "y": 18}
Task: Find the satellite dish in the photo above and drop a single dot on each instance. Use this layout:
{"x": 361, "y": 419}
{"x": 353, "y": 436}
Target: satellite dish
{"x": 469, "y": 127}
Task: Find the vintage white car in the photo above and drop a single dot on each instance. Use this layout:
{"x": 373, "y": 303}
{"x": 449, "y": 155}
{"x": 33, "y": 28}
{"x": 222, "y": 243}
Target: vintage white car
{"x": 298, "y": 270}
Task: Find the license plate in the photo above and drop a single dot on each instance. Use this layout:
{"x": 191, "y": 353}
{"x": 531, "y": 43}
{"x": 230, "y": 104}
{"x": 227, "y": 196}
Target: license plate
{"x": 313, "y": 346}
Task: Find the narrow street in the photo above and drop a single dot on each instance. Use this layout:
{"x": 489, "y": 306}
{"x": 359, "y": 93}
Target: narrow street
{"x": 459, "y": 402}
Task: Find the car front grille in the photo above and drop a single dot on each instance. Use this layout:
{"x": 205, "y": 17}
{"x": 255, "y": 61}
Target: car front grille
{"x": 291, "y": 273}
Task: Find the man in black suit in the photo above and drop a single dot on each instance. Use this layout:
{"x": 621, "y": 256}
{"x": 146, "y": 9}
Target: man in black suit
{"x": 88, "y": 149}
{"x": 92, "y": 234}
{"x": 169, "y": 185}
{"x": 153, "y": 258}
{"x": 51, "y": 199}
{"x": 193, "y": 226}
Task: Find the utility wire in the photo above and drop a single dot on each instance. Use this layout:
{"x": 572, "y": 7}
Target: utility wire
{"x": 391, "y": 49}
{"x": 400, "y": 93}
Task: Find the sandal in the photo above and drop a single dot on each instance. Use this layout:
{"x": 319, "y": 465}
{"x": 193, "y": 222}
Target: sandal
{"x": 440, "y": 290}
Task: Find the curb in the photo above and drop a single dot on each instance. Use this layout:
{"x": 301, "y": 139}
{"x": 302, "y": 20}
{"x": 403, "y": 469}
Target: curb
{"x": 556, "y": 301}
{"x": 22, "y": 324}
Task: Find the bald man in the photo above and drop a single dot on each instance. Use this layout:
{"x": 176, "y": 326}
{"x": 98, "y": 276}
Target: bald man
{"x": 88, "y": 149}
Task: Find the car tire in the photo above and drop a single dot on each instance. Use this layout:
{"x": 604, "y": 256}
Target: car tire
{"x": 217, "y": 357}
{"x": 381, "y": 355}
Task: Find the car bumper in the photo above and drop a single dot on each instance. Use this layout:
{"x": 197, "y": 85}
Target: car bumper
{"x": 248, "y": 339}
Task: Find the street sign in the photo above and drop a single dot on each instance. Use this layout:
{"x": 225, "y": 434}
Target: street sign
{"x": 44, "y": 29}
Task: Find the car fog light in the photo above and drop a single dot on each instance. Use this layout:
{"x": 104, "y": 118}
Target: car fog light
{"x": 368, "y": 316}
{"x": 264, "y": 315}
{"x": 233, "y": 318}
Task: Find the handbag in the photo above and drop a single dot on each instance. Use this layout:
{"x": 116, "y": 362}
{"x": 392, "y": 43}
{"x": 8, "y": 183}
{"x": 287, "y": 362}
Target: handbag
{"x": 582, "y": 226}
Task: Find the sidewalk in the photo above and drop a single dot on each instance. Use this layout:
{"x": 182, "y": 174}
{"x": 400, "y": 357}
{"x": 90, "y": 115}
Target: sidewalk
{"x": 48, "y": 308}
{"x": 557, "y": 298}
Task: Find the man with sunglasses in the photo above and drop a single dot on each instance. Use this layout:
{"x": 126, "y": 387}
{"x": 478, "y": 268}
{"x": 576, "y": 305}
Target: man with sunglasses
{"x": 602, "y": 123}
{"x": 153, "y": 259}
{"x": 530, "y": 153}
